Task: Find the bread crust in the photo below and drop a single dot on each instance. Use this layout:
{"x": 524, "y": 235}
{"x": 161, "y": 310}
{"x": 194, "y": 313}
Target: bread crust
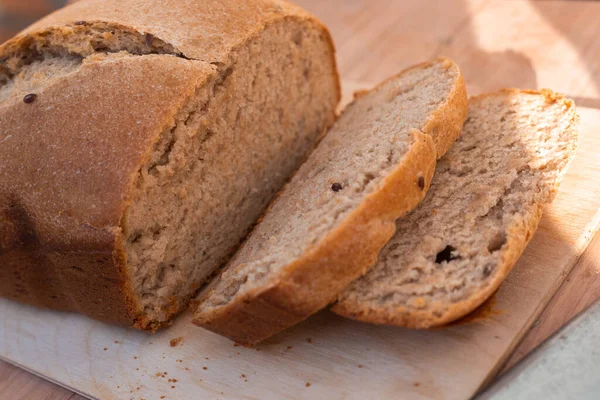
{"x": 311, "y": 282}
{"x": 518, "y": 237}
{"x": 60, "y": 238}
{"x": 61, "y": 214}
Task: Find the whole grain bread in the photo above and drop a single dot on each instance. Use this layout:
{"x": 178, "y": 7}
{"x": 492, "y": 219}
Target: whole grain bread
{"x": 141, "y": 139}
{"x": 328, "y": 224}
{"x": 486, "y": 199}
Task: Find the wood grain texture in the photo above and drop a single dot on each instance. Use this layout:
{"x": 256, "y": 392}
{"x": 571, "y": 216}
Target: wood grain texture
{"x": 579, "y": 291}
{"x": 19, "y": 384}
{"x": 541, "y": 44}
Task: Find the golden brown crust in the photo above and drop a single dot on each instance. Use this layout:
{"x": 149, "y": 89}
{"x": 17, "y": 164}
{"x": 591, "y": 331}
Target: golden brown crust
{"x": 62, "y": 199}
{"x": 446, "y": 121}
{"x": 519, "y": 236}
{"x": 207, "y": 30}
{"x": 313, "y": 281}
{"x": 86, "y": 136}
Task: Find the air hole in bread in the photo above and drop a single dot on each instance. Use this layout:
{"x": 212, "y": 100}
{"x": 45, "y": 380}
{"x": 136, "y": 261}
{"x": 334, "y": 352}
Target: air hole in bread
{"x": 497, "y": 242}
{"x": 368, "y": 178}
{"x": 306, "y": 73}
{"x": 387, "y": 297}
{"x": 447, "y": 255}
{"x": 298, "y": 38}
{"x": 487, "y": 270}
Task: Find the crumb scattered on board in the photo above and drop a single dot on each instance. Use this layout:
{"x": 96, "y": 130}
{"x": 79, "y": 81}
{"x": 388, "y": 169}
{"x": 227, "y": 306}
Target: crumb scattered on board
{"x": 175, "y": 342}
{"x": 309, "y": 340}
{"x": 307, "y": 384}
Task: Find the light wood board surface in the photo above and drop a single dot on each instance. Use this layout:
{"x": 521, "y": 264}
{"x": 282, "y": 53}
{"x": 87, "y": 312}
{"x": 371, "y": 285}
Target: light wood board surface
{"x": 497, "y": 43}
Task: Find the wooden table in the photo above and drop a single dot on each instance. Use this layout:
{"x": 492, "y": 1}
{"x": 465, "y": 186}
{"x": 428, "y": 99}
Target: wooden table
{"x": 377, "y": 38}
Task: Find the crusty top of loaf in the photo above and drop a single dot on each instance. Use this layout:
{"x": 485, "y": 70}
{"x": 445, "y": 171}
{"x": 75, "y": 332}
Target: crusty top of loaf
{"x": 81, "y": 142}
{"x": 68, "y": 157}
{"x": 205, "y": 30}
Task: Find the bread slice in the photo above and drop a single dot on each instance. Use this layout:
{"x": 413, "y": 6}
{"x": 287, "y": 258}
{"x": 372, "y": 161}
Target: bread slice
{"x": 328, "y": 224}
{"x": 161, "y": 131}
{"x": 484, "y": 205}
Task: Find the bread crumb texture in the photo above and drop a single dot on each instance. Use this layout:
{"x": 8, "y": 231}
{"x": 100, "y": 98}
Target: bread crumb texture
{"x": 485, "y": 201}
{"x": 327, "y": 225}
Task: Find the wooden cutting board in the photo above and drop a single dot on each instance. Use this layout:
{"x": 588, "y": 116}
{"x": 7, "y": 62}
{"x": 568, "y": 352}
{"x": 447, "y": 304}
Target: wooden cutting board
{"x": 326, "y": 356}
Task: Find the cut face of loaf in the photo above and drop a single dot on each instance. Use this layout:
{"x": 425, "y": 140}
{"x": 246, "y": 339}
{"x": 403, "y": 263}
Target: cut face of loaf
{"x": 160, "y": 132}
{"x": 483, "y": 207}
{"x": 327, "y": 225}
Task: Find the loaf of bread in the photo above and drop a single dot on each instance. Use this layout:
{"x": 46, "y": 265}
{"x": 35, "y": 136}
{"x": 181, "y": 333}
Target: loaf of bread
{"x": 484, "y": 205}
{"x": 141, "y": 139}
{"x": 328, "y": 224}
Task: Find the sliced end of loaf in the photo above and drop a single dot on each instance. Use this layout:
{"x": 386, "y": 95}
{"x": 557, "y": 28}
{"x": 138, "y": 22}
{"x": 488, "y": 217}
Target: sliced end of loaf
{"x": 169, "y": 172}
{"x": 212, "y": 174}
{"x": 328, "y": 224}
{"x": 484, "y": 205}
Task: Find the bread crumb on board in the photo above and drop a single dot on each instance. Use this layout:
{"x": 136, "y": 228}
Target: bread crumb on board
{"x": 307, "y": 384}
{"x": 175, "y": 342}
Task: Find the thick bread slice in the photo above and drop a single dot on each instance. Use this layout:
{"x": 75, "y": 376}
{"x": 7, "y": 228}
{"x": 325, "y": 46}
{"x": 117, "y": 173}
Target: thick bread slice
{"x": 328, "y": 224}
{"x": 157, "y": 134}
{"x": 484, "y": 205}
